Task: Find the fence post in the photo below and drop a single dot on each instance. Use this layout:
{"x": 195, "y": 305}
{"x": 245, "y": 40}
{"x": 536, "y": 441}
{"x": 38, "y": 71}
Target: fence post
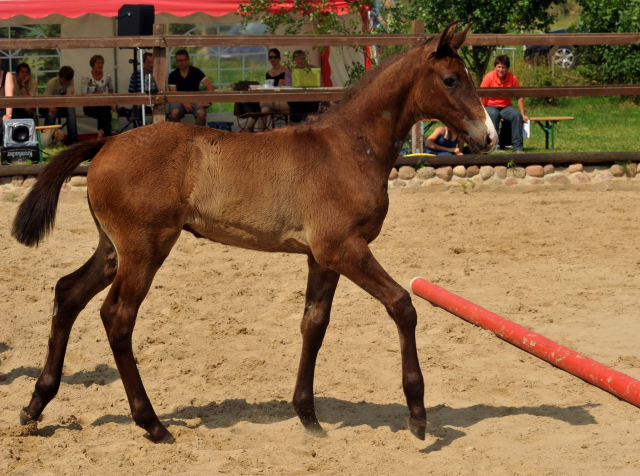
{"x": 417, "y": 28}
{"x": 160, "y": 73}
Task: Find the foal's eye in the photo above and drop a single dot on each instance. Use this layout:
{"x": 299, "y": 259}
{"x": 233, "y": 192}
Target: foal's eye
{"x": 449, "y": 82}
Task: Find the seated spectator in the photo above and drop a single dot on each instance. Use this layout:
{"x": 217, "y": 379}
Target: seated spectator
{"x": 277, "y": 74}
{"x": 188, "y": 78}
{"x": 97, "y": 81}
{"x": 442, "y": 142}
{"x": 134, "y": 82}
{"x": 62, "y": 85}
{"x": 502, "y": 108}
{"x": 24, "y": 86}
{"x": 300, "y": 110}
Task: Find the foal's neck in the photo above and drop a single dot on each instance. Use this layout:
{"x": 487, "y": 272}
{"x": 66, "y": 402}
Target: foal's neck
{"x": 384, "y": 111}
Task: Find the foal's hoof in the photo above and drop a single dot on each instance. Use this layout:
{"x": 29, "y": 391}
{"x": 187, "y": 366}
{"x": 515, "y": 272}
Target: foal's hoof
{"x": 417, "y": 429}
{"x": 317, "y": 431}
{"x": 164, "y": 438}
{"x": 25, "y": 419}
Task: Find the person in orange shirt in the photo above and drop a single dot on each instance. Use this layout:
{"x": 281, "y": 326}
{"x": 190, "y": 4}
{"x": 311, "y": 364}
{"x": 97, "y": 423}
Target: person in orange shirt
{"x": 502, "y": 108}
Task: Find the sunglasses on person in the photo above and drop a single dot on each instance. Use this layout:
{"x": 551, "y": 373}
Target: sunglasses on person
{"x": 274, "y": 57}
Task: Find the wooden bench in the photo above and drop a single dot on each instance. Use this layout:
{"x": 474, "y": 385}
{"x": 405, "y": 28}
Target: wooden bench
{"x": 548, "y": 127}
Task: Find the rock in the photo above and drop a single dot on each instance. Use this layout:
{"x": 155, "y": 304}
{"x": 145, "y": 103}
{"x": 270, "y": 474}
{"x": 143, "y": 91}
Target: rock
{"x": 406, "y": 172}
{"x": 414, "y": 183}
{"x": 30, "y": 181}
{"x": 472, "y": 171}
{"x": 5, "y": 180}
{"x": 435, "y": 181}
{"x": 535, "y": 171}
{"x": 632, "y": 170}
{"x": 444, "y": 173}
{"x": 459, "y": 171}
{"x": 17, "y": 180}
{"x": 399, "y": 183}
{"x": 78, "y": 181}
{"x": 426, "y": 173}
{"x": 394, "y": 174}
{"x": 536, "y": 181}
{"x": 557, "y": 179}
{"x": 549, "y": 169}
{"x": 493, "y": 182}
{"x": 519, "y": 172}
{"x": 511, "y": 181}
{"x": 581, "y": 178}
{"x": 477, "y": 179}
{"x": 617, "y": 170}
{"x": 486, "y": 171}
{"x": 575, "y": 168}
{"x": 501, "y": 171}
{"x": 603, "y": 177}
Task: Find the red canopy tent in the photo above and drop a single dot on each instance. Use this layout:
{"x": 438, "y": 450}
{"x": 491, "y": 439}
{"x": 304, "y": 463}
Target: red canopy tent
{"x": 109, "y": 8}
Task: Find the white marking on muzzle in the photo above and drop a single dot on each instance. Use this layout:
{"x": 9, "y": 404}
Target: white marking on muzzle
{"x": 490, "y": 129}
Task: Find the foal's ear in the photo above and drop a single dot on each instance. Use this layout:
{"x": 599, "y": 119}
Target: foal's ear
{"x": 447, "y": 35}
{"x": 458, "y": 39}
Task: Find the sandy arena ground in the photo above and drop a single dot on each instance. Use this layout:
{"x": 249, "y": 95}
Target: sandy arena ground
{"x": 217, "y": 341}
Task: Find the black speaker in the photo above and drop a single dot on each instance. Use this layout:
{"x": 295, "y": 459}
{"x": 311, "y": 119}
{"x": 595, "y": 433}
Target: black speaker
{"x": 136, "y": 20}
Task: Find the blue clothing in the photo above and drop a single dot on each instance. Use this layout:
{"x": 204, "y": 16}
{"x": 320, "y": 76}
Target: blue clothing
{"x": 134, "y": 83}
{"x": 512, "y": 115}
{"x": 442, "y": 141}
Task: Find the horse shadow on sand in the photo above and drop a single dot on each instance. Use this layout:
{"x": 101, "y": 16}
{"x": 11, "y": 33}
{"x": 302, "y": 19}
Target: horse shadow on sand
{"x": 445, "y": 423}
{"x": 102, "y": 374}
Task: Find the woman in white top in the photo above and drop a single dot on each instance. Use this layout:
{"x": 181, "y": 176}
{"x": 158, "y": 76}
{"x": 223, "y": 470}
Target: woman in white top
{"x": 97, "y": 81}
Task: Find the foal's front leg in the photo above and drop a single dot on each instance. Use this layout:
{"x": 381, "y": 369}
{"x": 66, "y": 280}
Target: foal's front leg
{"x": 354, "y": 260}
{"x": 321, "y": 286}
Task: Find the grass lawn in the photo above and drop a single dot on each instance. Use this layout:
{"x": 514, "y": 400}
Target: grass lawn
{"x": 601, "y": 124}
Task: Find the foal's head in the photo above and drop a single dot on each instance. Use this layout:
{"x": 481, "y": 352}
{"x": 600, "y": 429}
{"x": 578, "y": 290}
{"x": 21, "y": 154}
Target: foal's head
{"x": 444, "y": 90}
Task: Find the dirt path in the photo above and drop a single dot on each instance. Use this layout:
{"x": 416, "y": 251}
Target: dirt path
{"x": 217, "y": 341}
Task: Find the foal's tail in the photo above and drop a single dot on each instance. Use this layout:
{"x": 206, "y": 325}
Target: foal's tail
{"x": 37, "y": 213}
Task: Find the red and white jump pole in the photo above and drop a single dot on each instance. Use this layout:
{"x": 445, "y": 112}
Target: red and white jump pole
{"x": 614, "y": 382}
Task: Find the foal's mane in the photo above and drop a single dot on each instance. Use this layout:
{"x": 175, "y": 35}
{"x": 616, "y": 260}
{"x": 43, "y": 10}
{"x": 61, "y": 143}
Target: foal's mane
{"x": 358, "y": 88}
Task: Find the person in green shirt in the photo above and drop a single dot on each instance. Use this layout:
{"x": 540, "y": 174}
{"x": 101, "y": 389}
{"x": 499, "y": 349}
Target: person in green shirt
{"x": 60, "y": 86}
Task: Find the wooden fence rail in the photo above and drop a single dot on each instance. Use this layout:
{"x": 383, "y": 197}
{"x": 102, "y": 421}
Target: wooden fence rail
{"x": 171, "y": 41}
{"x": 325, "y": 94}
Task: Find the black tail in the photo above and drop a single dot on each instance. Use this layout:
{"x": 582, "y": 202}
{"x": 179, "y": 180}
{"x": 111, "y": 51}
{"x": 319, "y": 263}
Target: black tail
{"x": 37, "y": 213}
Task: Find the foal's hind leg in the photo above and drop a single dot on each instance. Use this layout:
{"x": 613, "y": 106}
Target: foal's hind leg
{"x": 72, "y": 294}
{"x": 321, "y": 286}
{"x": 136, "y": 269}
{"x": 354, "y": 260}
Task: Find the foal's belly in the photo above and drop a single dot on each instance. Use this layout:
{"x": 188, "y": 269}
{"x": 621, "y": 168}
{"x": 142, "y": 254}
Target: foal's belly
{"x": 256, "y": 233}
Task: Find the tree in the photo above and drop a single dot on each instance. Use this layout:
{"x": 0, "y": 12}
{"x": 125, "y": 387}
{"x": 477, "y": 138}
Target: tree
{"x": 611, "y": 64}
{"x": 488, "y": 16}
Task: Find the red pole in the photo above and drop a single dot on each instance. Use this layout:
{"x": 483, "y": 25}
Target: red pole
{"x": 614, "y": 382}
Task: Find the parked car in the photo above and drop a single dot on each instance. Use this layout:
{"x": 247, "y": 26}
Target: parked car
{"x": 563, "y": 56}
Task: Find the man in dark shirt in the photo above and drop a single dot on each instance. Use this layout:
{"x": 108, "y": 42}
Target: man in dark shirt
{"x": 134, "y": 82}
{"x": 188, "y": 78}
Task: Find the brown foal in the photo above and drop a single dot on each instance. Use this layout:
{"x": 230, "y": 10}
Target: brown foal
{"x": 319, "y": 188}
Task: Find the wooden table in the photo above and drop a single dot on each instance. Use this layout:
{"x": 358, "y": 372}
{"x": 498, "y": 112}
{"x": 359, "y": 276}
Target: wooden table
{"x": 549, "y": 126}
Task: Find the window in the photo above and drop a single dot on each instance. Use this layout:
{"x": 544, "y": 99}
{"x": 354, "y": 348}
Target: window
{"x": 44, "y": 64}
{"x": 225, "y": 64}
